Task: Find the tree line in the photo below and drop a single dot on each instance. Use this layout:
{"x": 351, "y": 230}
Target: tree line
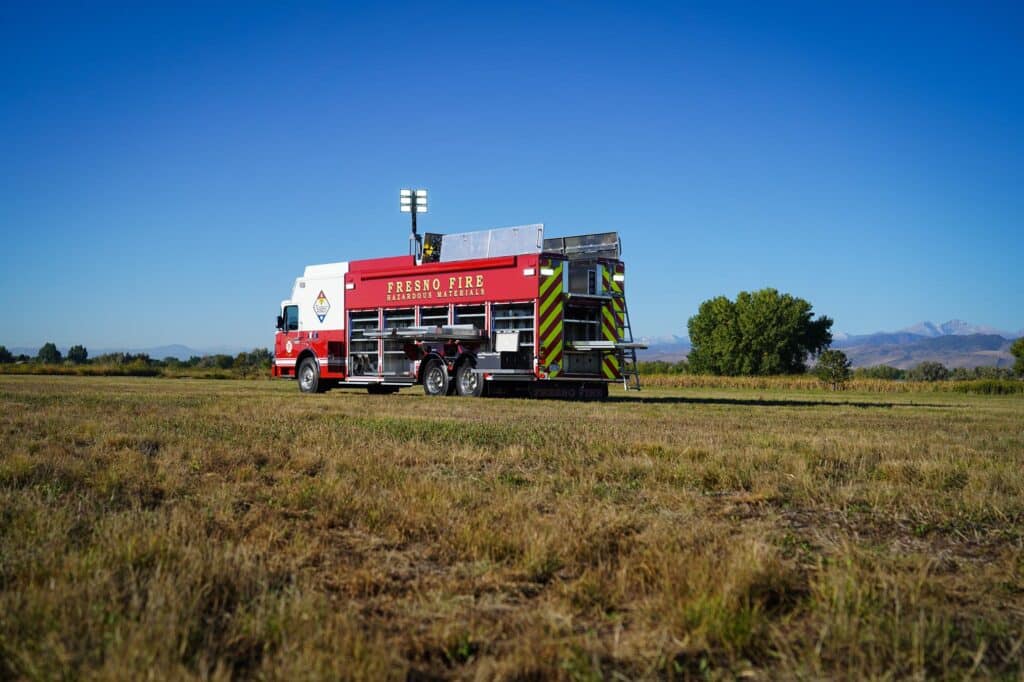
{"x": 766, "y": 332}
{"x": 49, "y": 354}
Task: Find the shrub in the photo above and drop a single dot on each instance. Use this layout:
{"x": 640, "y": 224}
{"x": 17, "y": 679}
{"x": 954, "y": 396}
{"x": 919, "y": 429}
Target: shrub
{"x": 929, "y": 371}
{"x": 833, "y": 368}
{"x": 49, "y": 354}
{"x": 990, "y": 387}
{"x": 78, "y": 354}
{"x": 880, "y": 372}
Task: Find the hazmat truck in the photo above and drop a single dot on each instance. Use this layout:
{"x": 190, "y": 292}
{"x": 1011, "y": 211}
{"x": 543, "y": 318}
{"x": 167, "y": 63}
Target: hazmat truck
{"x": 504, "y": 311}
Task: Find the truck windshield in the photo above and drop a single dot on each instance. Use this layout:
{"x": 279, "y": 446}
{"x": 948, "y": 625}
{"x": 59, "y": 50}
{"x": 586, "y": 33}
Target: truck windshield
{"x": 291, "y": 318}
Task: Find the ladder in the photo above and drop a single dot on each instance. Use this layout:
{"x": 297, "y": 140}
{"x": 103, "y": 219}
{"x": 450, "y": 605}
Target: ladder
{"x": 630, "y": 372}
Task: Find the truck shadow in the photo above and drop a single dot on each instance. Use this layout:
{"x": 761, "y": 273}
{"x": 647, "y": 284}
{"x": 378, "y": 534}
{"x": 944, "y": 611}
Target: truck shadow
{"x": 759, "y": 402}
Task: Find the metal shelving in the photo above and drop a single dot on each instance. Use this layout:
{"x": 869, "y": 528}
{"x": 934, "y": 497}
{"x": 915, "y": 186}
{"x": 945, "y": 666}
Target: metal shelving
{"x": 363, "y": 353}
{"x": 395, "y": 362}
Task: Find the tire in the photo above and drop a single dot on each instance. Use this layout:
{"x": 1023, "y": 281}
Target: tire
{"x": 381, "y": 390}
{"x": 436, "y": 381}
{"x": 468, "y": 383}
{"x": 309, "y": 377}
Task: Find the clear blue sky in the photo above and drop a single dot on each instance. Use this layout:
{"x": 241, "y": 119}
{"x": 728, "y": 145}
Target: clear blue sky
{"x": 168, "y": 172}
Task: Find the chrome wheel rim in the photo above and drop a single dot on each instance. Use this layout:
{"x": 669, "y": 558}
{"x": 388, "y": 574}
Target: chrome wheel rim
{"x": 435, "y": 379}
{"x": 467, "y": 382}
{"x": 307, "y": 377}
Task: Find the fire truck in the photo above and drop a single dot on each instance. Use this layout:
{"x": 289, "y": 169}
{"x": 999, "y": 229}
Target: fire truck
{"x": 498, "y": 312}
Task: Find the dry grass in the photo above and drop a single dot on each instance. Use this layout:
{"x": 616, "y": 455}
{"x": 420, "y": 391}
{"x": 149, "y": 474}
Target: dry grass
{"x": 807, "y": 382}
{"x": 176, "y": 529}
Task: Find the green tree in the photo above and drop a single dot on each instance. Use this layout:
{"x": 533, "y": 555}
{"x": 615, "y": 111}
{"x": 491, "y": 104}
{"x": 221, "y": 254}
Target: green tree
{"x": 5, "y": 356}
{"x": 49, "y": 354}
{"x": 760, "y": 333}
{"x": 833, "y": 368}
{"x": 78, "y": 354}
{"x": 880, "y": 372}
{"x": 1018, "y": 352}
{"x": 928, "y": 371}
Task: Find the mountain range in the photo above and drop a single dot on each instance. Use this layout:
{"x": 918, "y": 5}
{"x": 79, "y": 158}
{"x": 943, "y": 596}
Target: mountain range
{"x": 954, "y": 343}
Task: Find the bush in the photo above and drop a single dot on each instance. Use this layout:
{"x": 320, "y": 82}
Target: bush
{"x": 929, "y": 371}
{"x": 5, "y": 356}
{"x": 49, "y": 354}
{"x": 663, "y": 367}
{"x": 880, "y": 372}
{"x": 968, "y": 374}
{"x": 78, "y": 354}
{"x": 1017, "y": 349}
{"x": 833, "y": 368}
{"x": 990, "y": 387}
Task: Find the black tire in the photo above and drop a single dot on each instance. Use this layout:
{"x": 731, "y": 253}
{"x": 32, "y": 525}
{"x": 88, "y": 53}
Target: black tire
{"x": 309, "y": 377}
{"x": 468, "y": 383}
{"x": 374, "y": 389}
{"x": 436, "y": 381}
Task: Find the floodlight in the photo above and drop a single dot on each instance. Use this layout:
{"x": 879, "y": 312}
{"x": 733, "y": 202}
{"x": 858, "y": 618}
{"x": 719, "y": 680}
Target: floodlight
{"x": 619, "y": 277}
{"x": 405, "y": 192}
{"x": 547, "y": 272}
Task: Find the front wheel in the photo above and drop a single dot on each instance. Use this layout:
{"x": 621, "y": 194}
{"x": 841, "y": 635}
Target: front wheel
{"x": 309, "y": 376}
{"x": 435, "y": 378}
{"x": 468, "y": 383}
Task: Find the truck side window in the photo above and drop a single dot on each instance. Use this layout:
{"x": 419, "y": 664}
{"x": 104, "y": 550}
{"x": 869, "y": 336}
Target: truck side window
{"x": 291, "y": 318}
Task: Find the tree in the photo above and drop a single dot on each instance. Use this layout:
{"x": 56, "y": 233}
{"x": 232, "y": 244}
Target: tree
{"x": 763, "y": 332}
{"x": 833, "y": 368}
{"x": 929, "y": 371}
{"x": 49, "y": 354}
{"x": 881, "y": 372}
{"x": 78, "y": 354}
{"x": 1018, "y": 352}
{"x": 5, "y": 356}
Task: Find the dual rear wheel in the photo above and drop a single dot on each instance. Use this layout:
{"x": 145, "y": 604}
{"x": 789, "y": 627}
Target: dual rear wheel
{"x": 437, "y": 382}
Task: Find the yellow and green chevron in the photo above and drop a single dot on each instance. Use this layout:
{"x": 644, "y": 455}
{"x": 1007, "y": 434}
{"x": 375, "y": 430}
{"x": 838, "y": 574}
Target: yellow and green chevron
{"x": 612, "y": 319}
{"x": 549, "y": 315}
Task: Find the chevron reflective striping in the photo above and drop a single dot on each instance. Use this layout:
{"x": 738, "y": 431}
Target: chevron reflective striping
{"x": 549, "y": 316}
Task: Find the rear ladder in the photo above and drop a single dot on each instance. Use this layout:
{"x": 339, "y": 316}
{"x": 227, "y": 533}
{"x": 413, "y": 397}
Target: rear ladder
{"x": 630, "y": 372}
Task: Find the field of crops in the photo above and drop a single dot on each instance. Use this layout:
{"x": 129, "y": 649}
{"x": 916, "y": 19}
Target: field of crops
{"x": 186, "y": 528}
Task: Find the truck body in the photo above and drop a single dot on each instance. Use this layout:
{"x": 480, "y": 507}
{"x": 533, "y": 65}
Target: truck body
{"x": 479, "y": 317}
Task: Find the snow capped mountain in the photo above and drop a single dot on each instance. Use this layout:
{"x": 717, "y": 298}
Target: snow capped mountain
{"x": 954, "y": 328}
{"x": 665, "y": 340}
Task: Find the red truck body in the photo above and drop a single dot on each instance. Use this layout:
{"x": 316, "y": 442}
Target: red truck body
{"x": 544, "y": 322}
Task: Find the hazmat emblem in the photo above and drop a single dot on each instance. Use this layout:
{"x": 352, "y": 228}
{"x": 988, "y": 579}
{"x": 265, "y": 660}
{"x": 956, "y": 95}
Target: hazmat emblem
{"x": 321, "y": 305}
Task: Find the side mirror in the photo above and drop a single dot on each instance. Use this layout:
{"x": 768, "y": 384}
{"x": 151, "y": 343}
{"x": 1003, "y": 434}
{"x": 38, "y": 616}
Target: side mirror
{"x": 280, "y": 323}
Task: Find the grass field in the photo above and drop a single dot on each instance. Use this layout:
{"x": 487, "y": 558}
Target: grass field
{"x": 157, "y": 528}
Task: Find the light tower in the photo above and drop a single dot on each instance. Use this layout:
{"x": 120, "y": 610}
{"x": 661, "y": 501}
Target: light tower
{"x": 413, "y": 201}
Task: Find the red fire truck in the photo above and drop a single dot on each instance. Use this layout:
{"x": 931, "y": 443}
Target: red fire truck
{"x": 501, "y": 311}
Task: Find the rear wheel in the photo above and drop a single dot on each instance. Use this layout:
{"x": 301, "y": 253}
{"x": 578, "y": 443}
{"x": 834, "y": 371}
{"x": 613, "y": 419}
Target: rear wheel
{"x": 468, "y": 383}
{"x": 435, "y": 378}
{"x": 309, "y": 376}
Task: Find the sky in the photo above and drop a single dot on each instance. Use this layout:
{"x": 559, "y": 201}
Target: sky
{"x": 167, "y": 171}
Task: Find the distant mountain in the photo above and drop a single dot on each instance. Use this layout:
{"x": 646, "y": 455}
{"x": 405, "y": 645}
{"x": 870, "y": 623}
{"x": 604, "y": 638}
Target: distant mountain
{"x": 669, "y": 348}
{"x": 879, "y": 339}
{"x": 952, "y": 350}
{"x": 954, "y": 328}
